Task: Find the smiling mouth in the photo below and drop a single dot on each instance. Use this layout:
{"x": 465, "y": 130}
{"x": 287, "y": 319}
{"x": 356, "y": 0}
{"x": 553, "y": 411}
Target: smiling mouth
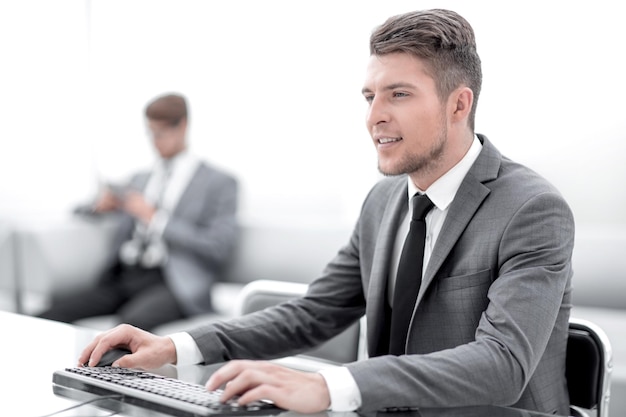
{"x": 384, "y": 141}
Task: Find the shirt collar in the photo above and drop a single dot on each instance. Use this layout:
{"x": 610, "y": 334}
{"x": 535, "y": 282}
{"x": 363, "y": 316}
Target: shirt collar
{"x": 442, "y": 191}
{"x": 172, "y": 163}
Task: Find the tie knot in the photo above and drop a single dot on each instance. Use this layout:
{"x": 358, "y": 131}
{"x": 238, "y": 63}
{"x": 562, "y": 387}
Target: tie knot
{"x": 421, "y": 206}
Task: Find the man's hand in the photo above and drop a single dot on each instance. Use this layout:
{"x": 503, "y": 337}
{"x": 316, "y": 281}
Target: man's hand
{"x": 304, "y": 392}
{"x": 136, "y": 205}
{"x": 107, "y": 201}
{"x": 148, "y": 350}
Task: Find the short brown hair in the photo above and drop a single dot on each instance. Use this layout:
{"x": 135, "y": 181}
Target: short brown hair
{"x": 170, "y": 108}
{"x": 443, "y": 39}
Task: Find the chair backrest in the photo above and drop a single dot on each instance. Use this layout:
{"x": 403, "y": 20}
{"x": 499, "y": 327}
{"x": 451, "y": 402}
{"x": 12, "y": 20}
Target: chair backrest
{"x": 8, "y": 282}
{"x": 589, "y": 367}
{"x": 260, "y": 294}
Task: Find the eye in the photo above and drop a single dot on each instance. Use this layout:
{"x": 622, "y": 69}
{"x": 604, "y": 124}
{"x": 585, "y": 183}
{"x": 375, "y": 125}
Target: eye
{"x": 399, "y": 94}
{"x": 369, "y": 97}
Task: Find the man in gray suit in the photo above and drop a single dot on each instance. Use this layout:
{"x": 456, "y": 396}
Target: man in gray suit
{"x": 489, "y": 323}
{"x": 177, "y": 229}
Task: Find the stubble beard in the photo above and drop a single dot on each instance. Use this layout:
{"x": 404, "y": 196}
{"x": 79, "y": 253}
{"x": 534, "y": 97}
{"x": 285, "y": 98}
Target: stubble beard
{"x": 414, "y": 163}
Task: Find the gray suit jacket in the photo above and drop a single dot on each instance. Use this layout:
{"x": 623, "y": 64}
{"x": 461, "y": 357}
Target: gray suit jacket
{"x": 200, "y": 235}
{"x": 490, "y": 324}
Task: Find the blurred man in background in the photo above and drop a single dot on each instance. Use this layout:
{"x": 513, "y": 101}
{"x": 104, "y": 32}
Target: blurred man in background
{"x": 177, "y": 229}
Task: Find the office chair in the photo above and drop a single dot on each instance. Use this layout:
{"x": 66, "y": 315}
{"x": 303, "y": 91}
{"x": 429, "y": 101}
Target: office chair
{"x": 260, "y": 294}
{"x": 588, "y": 369}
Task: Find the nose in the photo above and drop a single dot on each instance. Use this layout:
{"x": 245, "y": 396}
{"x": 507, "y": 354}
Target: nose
{"x": 377, "y": 112}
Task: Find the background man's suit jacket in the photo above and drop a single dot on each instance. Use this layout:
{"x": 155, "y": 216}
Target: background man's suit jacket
{"x": 490, "y": 325}
{"x": 200, "y": 235}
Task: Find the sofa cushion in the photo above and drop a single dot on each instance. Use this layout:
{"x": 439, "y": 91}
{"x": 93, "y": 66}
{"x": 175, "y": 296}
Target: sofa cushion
{"x": 280, "y": 253}
{"x": 599, "y": 264}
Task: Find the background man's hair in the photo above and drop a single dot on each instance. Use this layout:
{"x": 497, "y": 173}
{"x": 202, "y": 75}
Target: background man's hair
{"x": 170, "y": 108}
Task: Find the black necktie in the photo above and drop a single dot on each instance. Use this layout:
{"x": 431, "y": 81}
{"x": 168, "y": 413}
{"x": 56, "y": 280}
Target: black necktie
{"x": 409, "y": 276}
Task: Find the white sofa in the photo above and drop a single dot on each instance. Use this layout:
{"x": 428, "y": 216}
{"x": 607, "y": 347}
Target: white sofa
{"x": 52, "y": 257}
{"x": 64, "y": 254}
{"x": 8, "y": 281}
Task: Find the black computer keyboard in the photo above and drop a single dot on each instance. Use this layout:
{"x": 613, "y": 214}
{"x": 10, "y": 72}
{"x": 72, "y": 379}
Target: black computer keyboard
{"x": 162, "y": 394}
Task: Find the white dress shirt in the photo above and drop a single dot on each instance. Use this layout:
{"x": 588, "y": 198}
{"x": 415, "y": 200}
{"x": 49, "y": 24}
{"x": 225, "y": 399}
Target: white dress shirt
{"x": 182, "y": 167}
{"x": 168, "y": 180}
{"x": 344, "y": 392}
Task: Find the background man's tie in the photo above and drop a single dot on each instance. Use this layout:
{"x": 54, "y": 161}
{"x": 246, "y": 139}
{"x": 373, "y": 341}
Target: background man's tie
{"x": 409, "y": 277}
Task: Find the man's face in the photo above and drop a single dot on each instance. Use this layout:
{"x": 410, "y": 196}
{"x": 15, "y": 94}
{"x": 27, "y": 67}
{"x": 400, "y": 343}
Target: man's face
{"x": 405, "y": 117}
{"x": 167, "y": 139}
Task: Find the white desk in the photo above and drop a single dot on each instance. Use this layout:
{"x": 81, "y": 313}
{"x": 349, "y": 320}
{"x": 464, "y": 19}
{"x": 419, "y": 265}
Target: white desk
{"x": 33, "y": 349}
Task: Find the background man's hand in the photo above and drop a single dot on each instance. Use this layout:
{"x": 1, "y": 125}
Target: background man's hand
{"x": 136, "y": 205}
{"x": 106, "y": 201}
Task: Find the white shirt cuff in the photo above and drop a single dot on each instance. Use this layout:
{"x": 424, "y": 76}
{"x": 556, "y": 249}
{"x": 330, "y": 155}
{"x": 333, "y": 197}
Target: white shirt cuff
{"x": 187, "y": 351}
{"x": 344, "y": 392}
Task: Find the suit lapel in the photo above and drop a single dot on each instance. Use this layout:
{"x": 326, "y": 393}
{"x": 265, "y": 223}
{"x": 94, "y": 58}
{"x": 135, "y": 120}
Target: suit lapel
{"x": 189, "y": 191}
{"x": 468, "y": 199}
{"x": 375, "y": 307}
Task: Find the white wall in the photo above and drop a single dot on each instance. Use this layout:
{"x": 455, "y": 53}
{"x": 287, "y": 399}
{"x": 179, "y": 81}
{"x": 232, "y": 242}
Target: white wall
{"x": 274, "y": 89}
{"x": 45, "y": 155}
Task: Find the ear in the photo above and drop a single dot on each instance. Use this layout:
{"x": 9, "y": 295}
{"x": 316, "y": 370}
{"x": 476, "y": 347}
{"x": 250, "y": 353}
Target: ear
{"x": 461, "y": 101}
